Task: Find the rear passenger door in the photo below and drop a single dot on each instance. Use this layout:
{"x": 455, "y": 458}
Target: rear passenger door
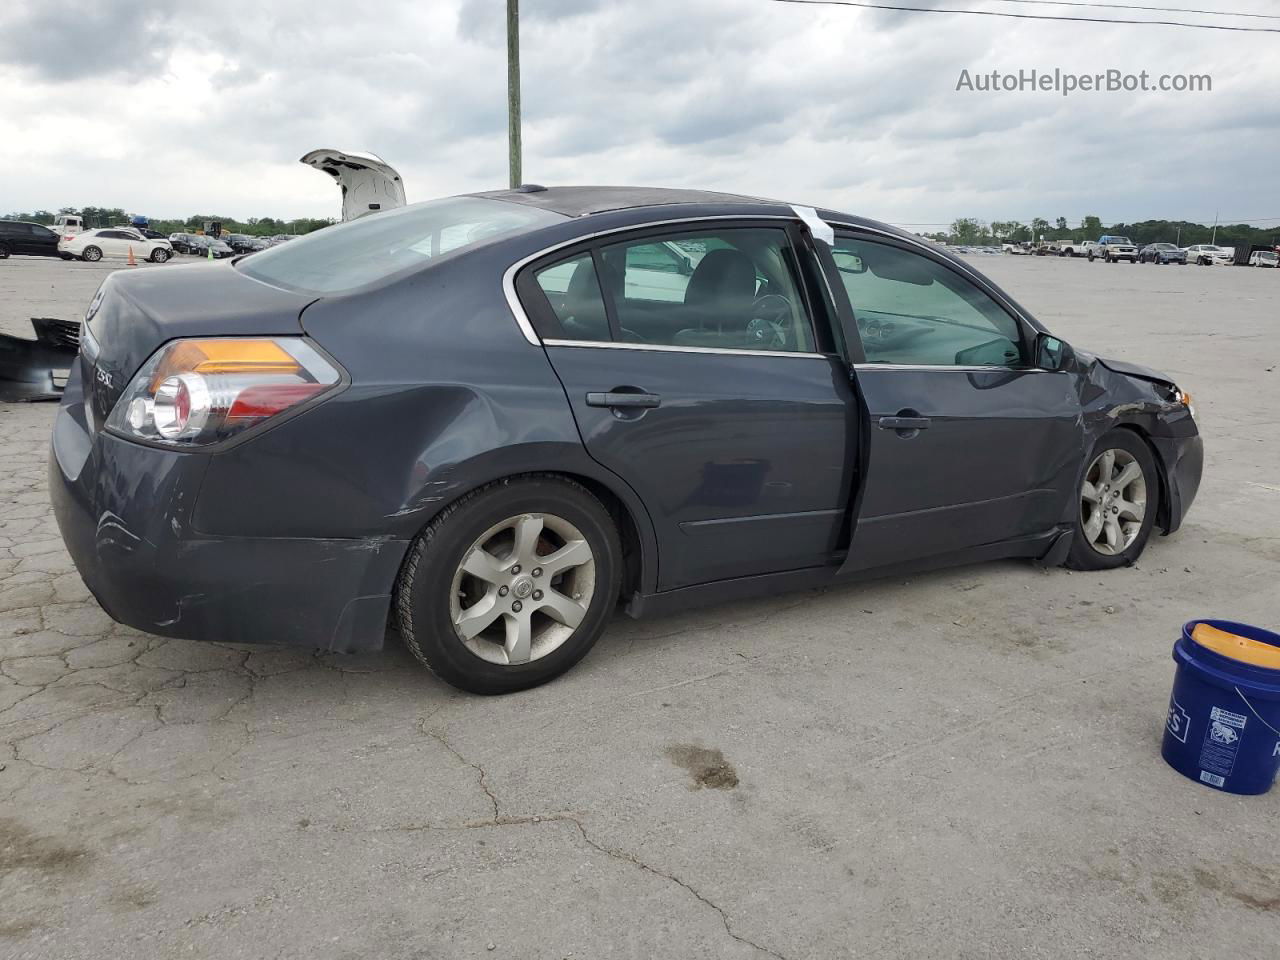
{"x": 695, "y": 372}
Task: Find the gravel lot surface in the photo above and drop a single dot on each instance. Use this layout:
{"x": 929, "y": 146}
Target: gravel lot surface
{"x": 965, "y": 764}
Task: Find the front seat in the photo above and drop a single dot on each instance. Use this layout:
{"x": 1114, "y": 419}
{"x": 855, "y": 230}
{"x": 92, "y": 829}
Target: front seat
{"x": 718, "y": 300}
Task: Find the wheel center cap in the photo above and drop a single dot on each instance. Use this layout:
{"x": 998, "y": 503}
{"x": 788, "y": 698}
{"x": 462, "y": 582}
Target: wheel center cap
{"x": 522, "y": 588}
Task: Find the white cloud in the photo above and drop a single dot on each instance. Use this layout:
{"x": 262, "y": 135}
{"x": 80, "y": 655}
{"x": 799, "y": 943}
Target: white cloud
{"x": 187, "y": 108}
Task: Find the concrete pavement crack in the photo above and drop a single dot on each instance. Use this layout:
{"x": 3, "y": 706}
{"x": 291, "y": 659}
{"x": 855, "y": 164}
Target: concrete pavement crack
{"x": 631, "y": 858}
{"x": 440, "y": 738}
{"x": 621, "y": 855}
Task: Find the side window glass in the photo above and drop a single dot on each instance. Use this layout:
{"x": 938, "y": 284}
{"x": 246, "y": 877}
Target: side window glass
{"x": 912, "y": 310}
{"x": 728, "y": 289}
{"x": 573, "y": 292}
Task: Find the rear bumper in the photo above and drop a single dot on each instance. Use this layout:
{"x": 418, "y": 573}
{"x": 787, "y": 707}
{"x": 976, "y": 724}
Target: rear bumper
{"x": 124, "y": 513}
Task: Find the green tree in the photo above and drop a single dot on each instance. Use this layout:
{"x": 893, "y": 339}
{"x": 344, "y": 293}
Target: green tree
{"x": 967, "y": 230}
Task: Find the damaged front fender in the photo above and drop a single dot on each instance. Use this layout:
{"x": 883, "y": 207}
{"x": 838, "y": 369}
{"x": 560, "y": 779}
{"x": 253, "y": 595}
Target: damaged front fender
{"x": 1115, "y": 394}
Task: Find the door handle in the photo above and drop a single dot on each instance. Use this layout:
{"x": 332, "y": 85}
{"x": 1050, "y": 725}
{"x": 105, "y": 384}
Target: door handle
{"x": 903, "y": 423}
{"x": 619, "y": 399}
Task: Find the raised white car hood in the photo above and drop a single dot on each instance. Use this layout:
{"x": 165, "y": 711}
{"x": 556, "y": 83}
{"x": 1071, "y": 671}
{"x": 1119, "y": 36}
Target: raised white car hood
{"x": 367, "y": 182}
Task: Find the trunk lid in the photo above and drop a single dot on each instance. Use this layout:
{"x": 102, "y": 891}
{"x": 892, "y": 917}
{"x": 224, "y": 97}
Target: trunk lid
{"x": 368, "y": 183}
{"x": 135, "y": 312}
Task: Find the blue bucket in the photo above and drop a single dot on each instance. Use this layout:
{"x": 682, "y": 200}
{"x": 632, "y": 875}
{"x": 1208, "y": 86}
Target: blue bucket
{"x": 1223, "y": 728}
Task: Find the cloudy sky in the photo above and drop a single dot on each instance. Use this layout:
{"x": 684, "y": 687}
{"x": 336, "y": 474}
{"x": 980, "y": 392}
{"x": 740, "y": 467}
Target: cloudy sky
{"x": 176, "y": 108}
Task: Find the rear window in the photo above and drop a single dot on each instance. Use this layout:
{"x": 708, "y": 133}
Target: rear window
{"x": 350, "y": 255}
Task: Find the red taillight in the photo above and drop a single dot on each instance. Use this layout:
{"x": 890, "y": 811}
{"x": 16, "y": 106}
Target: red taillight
{"x": 199, "y": 391}
{"x": 266, "y": 400}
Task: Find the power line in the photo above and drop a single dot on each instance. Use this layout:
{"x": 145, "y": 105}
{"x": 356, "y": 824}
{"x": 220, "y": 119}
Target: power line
{"x": 1030, "y": 16}
{"x": 1135, "y": 6}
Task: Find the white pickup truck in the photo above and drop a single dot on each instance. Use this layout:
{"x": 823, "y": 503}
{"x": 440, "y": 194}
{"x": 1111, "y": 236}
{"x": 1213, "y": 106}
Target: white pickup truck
{"x": 67, "y": 224}
{"x": 1111, "y": 249}
{"x": 1067, "y": 248}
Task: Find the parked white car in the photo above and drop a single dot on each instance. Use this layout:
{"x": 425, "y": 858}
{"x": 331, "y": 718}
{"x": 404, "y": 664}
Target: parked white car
{"x": 1264, "y": 258}
{"x": 1208, "y": 255}
{"x": 114, "y": 243}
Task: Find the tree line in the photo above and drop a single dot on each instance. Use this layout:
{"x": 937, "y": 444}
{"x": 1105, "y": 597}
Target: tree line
{"x": 971, "y": 231}
{"x": 114, "y": 216}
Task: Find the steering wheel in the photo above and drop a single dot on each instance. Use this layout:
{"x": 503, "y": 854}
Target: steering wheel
{"x": 770, "y": 327}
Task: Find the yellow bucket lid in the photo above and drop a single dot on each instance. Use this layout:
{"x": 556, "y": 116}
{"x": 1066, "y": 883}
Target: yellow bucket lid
{"x": 1244, "y": 649}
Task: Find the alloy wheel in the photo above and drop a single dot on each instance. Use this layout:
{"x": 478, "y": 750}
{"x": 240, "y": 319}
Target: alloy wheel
{"x": 1113, "y": 501}
{"x": 522, "y": 588}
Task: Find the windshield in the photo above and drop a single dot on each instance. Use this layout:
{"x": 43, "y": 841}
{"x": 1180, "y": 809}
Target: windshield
{"x": 352, "y": 254}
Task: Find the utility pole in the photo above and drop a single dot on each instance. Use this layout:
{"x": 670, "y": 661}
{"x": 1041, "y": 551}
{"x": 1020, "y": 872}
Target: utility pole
{"x": 1214, "y": 241}
{"x": 513, "y": 90}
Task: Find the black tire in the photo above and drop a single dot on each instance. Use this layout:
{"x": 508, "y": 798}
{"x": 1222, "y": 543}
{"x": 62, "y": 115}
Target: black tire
{"x": 427, "y": 578}
{"x": 4, "y": 251}
{"x": 1091, "y": 257}
{"x": 91, "y": 254}
{"x": 1083, "y": 555}
{"x": 159, "y": 255}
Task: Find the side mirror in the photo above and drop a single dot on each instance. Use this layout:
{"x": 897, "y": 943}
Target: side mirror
{"x": 1052, "y": 353}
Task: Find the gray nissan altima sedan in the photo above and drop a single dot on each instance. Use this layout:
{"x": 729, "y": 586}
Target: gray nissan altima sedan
{"x": 490, "y": 420}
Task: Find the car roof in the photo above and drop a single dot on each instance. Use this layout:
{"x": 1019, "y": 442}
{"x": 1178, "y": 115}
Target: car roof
{"x": 584, "y": 201}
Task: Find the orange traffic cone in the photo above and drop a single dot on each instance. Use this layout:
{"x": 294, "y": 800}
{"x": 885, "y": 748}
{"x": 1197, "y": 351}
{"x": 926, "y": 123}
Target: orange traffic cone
{"x": 132, "y": 261}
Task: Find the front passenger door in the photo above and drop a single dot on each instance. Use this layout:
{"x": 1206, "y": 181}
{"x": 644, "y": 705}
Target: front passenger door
{"x": 969, "y": 442}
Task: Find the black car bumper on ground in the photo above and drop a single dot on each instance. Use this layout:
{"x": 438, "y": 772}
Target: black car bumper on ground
{"x": 124, "y": 511}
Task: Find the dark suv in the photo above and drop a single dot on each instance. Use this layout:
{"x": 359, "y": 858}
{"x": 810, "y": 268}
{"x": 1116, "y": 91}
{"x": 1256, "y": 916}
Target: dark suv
{"x": 29, "y": 239}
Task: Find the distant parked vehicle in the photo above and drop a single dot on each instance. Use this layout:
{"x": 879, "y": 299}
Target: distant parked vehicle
{"x": 67, "y": 224}
{"x": 187, "y": 243}
{"x": 1113, "y": 249}
{"x": 1162, "y": 253}
{"x": 239, "y": 242}
{"x": 280, "y": 238}
{"x": 1067, "y": 248}
{"x": 1208, "y": 255}
{"x": 1017, "y": 249}
{"x": 219, "y": 247}
{"x": 17, "y": 237}
{"x": 1264, "y": 258}
{"x": 368, "y": 183}
{"x": 115, "y": 243}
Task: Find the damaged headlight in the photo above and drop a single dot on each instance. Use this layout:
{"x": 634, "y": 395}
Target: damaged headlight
{"x": 1181, "y": 396}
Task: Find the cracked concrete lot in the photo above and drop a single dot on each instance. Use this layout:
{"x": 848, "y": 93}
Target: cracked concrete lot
{"x": 965, "y": 764}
